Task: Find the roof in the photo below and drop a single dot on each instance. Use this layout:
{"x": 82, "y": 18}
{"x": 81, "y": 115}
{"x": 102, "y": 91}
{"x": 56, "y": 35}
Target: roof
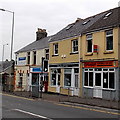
{"x": 76, "y": 28}
{"x": 5, "y": 65}
{"x": 39, "y": 44}
{"x": 109, "y": 20}
{"x": 89, "y": 24}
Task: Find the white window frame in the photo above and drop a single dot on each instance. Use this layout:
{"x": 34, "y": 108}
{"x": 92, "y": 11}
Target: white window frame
{"x": 89, "y": 39}
{"x": 88, "y": 71}
{"x": 55, "y": 48}
{"x": 64, "y": 77}
{"x": 74, "y": 46}
{"x": 109, "y": 35}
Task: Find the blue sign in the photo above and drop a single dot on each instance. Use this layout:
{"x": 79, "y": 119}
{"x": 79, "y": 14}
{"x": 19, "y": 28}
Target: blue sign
{"x": 36, "y": 70}
{"x": 22, "y": 58}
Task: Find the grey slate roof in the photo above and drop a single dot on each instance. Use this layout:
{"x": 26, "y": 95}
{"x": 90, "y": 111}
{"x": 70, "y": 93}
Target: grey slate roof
{"x": 5, "y": 65}
{"x": 95, "y": 22}
{"x": 77, "y": 28}
{"x": 111, "y": 21}
{"x": 39, "y": 44}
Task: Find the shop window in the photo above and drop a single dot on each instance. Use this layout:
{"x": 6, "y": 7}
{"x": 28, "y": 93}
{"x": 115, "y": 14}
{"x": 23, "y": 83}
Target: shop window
{"x": 53, "y": 79}
{"x": 88, "y": 79}
{"x": 109, "y": 40}
{"x": 56, "y": 49}
{"x": 67, "y": 77}
{"x": 105, "y": 80}
{"x": 111, "y": 80}
{"x": 89, "y": 43}
{"x": 75, "y": 46}
{"x": 91, "y": 79}
{"x": 58, "y": 79}
{"x": 28, "y": 58}
{"x": 20, "y": 80}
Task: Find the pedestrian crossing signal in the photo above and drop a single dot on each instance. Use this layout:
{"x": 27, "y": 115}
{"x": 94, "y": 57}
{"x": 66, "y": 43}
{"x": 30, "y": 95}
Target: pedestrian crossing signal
{"x": 45, "y": 65}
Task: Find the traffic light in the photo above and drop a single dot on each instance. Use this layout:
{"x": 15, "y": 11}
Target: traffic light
{"x": 45, "y": 65}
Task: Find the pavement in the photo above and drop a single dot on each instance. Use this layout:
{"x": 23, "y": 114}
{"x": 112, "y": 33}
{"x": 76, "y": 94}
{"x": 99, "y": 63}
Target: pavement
{"x": 71, "y": 100}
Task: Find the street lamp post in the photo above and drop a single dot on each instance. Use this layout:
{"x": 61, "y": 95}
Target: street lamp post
{"x": 12, "y": 31}
{"x": 3, "y": 52}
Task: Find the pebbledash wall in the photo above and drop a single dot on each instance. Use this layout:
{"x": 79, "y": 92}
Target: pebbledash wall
{"x": 100, "y": 68}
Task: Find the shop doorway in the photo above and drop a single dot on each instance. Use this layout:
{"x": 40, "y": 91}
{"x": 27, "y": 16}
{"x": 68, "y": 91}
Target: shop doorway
{"x": 98, "y": 84}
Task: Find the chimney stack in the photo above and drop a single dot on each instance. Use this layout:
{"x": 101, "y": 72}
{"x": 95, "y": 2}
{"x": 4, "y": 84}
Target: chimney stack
{"x": 41, "y": 33}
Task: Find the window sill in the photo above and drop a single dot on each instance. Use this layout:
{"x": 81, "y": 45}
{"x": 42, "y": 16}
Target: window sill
{"x": 74, "y": 53}
{"x": 54, "y": 55}
{"x": 109, "y": 89}
{"x": 88, "y": 87}
{"x": 88, "y": 54}
{"x": 109, "y": 52}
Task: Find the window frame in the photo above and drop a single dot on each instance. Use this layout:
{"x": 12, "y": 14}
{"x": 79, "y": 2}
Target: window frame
{"x": 28, "y": 58}
{"x": 88, "y": 71}
{"x": 55, "y": 49}
{"x": 67, "y": 73}
{"x": 89, "y": 37}
{"x": 20, "y": 83}
{"x": 74, "y": 47}
{"x": 107, "y": 35}
{"x": 34, "y": 57}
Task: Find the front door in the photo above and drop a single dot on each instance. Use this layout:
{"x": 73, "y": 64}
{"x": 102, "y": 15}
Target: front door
{"x": 98, "y": 84}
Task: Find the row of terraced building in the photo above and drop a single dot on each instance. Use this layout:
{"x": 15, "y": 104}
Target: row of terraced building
{"x": 83, "y": 57}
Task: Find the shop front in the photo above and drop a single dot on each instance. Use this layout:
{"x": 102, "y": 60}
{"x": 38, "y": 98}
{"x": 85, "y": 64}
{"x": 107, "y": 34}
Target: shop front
{"x": 38, "y": 78}
{"x": 64, "y": 77}
{"x": 100, "y": 79}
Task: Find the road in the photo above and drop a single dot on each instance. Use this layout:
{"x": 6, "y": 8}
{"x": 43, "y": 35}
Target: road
{"x": 18, "y": 107}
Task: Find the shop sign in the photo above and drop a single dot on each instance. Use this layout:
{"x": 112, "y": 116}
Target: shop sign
{"x": 100, "y": 64}
{"x": 36, "y": 70}
{"x": 22, "y": 61}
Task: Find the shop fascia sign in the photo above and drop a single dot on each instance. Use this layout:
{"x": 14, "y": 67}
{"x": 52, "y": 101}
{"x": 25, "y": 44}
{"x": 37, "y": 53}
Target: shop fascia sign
{"x": 96, "y": 64}
{"x": 36, "y": 70}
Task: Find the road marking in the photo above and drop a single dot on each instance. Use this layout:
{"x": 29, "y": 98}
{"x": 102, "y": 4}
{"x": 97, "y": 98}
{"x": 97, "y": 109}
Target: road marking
{"x": 40, "y": 116}
{"x": 91, "y": 109}
{"x": 17, "y": 97}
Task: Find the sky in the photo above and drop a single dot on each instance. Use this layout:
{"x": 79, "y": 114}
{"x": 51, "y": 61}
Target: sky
{"x": 52, "y": 15}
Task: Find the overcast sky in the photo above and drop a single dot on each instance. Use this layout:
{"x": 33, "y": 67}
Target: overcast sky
{"x": 52, "y": 15}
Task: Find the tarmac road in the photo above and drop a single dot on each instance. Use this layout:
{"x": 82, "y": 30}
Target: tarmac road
{"x": 19, "y": 107}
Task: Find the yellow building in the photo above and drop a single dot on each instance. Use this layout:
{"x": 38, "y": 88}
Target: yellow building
{"x": 64, "y": 64}
{"x": 29, "y": 63}
{"x": 100, "y": 55}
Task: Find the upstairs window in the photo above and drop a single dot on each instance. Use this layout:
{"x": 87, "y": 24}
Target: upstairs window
{"x": 56, "y": 49}
{"x": 89, "y": 43}
{"x": 34, "y": 57}
{"x": 109, "y": 40}
{"x": 28, "y": 58}
{"x": 47, "y": 54}
{"x": 75, "y": 46}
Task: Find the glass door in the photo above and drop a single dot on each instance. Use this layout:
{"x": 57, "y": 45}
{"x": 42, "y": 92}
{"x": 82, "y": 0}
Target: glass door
{"x": 98, "y": 84}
